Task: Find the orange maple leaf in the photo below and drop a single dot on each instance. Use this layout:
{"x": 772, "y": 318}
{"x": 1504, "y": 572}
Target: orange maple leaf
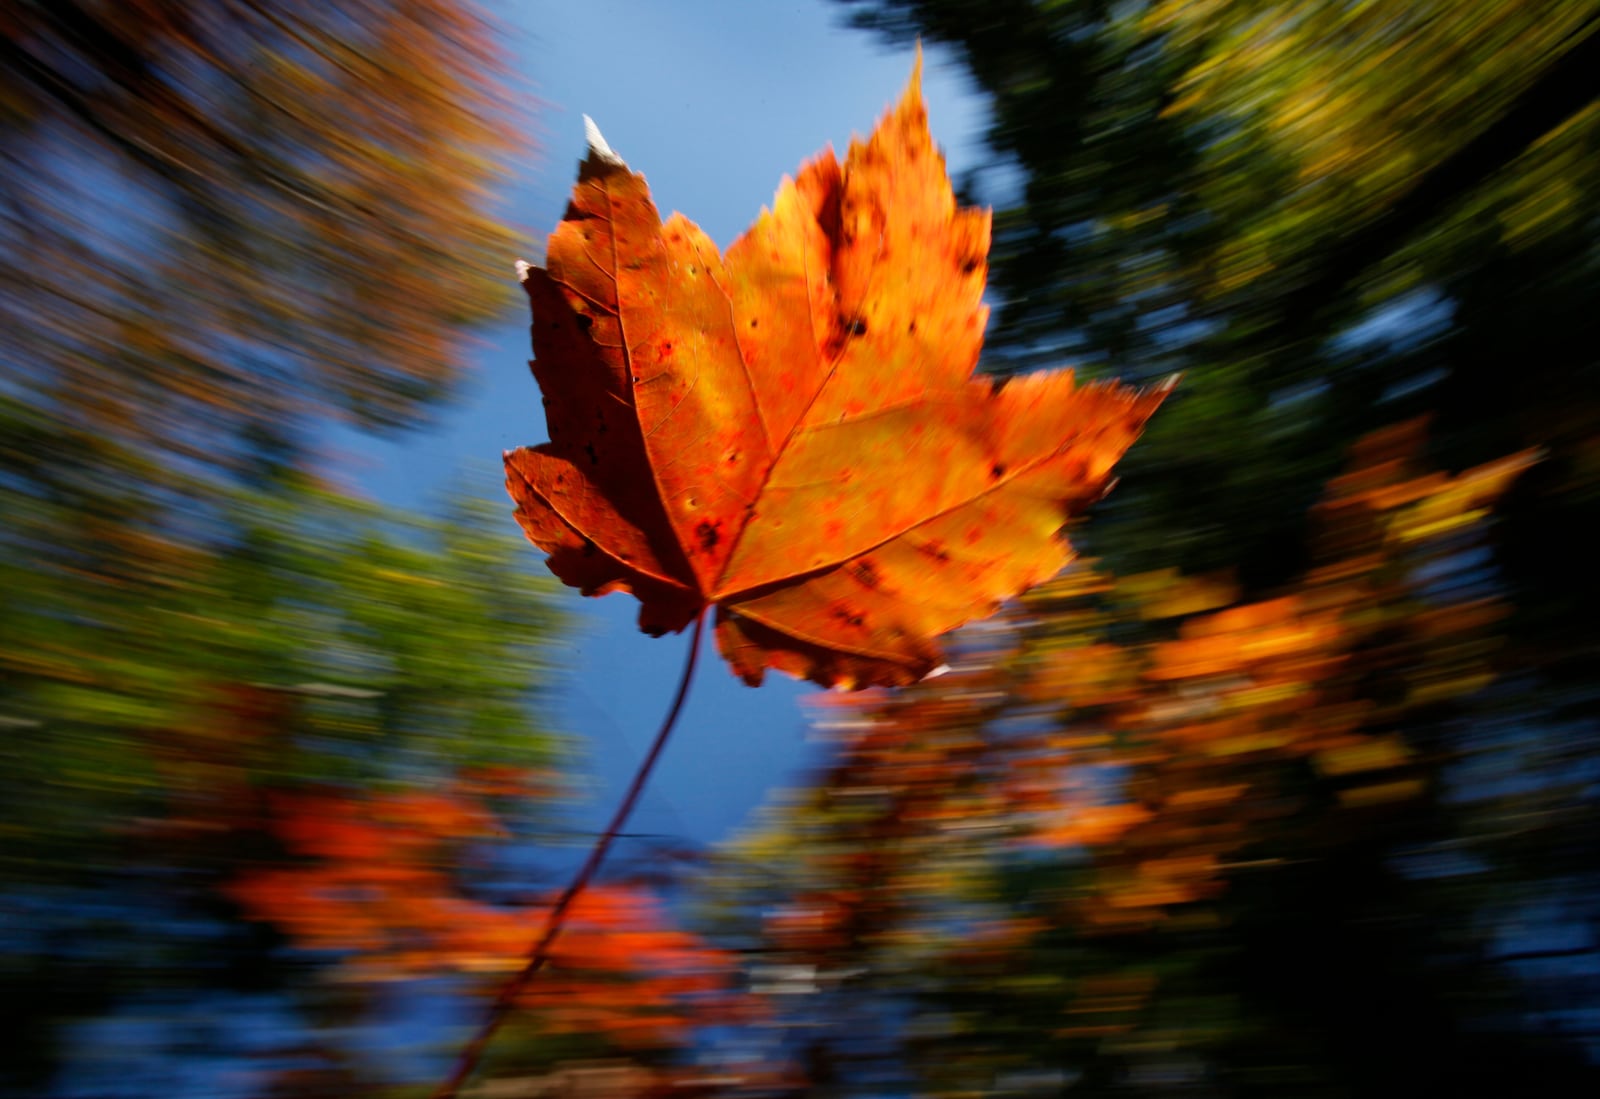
{"x": 793, "y": 432}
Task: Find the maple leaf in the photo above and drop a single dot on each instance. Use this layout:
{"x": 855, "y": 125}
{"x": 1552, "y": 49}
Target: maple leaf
{"x": 793, "y": 432}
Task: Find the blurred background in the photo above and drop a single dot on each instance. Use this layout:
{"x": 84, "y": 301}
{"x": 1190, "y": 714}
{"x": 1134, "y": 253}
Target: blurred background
{"x": 1286, "y": 788}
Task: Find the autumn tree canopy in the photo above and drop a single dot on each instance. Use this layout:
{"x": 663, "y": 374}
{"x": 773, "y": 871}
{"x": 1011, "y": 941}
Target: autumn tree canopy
{"x": 225, "y": 220}
{"x": 1149, "y": 831}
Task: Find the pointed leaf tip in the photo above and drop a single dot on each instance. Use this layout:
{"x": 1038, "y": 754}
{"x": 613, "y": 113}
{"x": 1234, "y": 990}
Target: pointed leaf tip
{"x": 911, "y": 98}
{"x": 598, "y": 149}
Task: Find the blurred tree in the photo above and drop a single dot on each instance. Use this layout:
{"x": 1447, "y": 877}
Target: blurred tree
{"x": 226, "y": 219}
{"x": 1328, "y": 216}
{"x": 161, "y": 698}
{"x": 226, "y": 223}
{"x": 1154, "y": 837}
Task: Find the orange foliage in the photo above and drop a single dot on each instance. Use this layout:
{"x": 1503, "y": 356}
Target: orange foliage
{"x": 373, "y": 882}
{"x": 1164, "y": 757}
{"x": 618, "y": 970}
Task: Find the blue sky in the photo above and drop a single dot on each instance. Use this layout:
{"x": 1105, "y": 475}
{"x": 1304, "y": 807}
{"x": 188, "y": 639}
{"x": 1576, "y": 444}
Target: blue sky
{"x": 714, "y": 101}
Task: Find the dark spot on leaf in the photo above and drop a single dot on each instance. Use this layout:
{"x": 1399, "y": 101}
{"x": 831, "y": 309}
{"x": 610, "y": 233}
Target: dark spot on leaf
{"x": 934, "y": 550}
{"x": 911, "y": 329}
{"x": 754, "y": 323}
{"x": 585, "y": 321}
{"x": 867, "y": 573}
{"x": 856, "y": 325}
{"x": 847, "y": 615}
{"x": 968, "y": 266}
{"x": 998, "y": 470}
{"x": 733, "y": 458}
{"x": 708, "y": 535}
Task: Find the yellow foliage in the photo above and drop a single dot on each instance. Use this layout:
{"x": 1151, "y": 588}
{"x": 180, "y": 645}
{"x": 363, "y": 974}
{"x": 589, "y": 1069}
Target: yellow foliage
{"x": 1369, "y": 754}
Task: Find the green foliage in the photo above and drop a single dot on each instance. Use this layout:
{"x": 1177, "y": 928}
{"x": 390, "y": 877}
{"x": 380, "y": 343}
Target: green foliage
{"x": 307, "y": 637}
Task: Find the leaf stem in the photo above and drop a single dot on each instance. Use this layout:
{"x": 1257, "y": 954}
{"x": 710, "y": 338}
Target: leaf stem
{"x": 473, "y": 1053}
